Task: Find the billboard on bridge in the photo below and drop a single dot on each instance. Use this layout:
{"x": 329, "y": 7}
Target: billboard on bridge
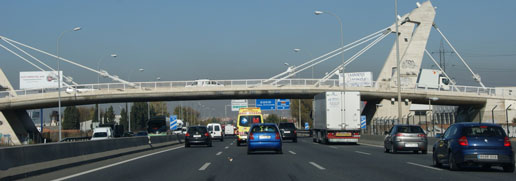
{"x": 39, "y": 79}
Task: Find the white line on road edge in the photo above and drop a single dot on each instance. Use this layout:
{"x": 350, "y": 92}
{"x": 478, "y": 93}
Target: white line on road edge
{"x": 219, "y": 153}
{"x": 363, "y": 153}
{"x": 317, "y": 166}
{"x": 226, "y": 147}
{"x": 115, "y": 164}
{"x": 334, "y": 147}
{"x": 204, "y": 166}
{"x": 291, "y": 152}
{"x": 424, "y": 166}
{"x": 378, "y": 146}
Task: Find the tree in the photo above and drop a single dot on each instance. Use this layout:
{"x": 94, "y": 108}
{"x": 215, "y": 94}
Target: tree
{"x": 160, "y": 108}
{"x": 139, "y": 115}
{"x": 306, "y": 110}
{"x": 85, "y": 113}
{"x": 71, "y": 118}
{"x": 187, "y": 114}
{"x": 110, "y": 115}
{"x": 124, "y": 119}
{"x": 272, "y": 118}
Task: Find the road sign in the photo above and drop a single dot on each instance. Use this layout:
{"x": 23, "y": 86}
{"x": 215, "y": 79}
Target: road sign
{"x": 266, "y": 104}
{"x": 307, "y": 126}
{"x": 238, "y": 103}
{"x": 173, "y": 122}
{"x": 282, "y": 104}
{"x": 363, "y": 122}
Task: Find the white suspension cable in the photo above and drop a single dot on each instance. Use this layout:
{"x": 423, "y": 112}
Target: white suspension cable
{"x": 475, "y": 76}
{"x": 19, "y": 49}
{"x": 336, "y": 50}
{"x": 331, "y": 56}
{"x": 69, "y": 61}
{"x": 446, "y": 75}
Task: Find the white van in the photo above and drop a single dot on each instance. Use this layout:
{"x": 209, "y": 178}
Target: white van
{"x": 102, "y": 133}
{"x": 229, "y": 129}
{"x": 215, "y": 130}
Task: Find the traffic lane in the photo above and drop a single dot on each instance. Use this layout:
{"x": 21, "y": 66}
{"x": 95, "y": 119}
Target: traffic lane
{"x": 183, "y": 162}
{"x": 236, "y": 164}
{"x": 407, "y": 161}
{"x": 97, "y": 164}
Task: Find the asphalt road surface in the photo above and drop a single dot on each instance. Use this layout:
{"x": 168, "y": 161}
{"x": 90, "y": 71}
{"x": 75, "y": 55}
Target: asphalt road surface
{"x": 304, "y": 160}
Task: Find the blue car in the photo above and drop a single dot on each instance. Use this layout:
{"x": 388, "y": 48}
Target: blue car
{"x": 474, "y": 144}
{"x": 264, "y": 136}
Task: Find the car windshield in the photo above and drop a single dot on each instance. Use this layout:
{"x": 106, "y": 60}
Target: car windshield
{"x": 100, "y": 134}
{"x": 246, "y": 121}
{"x": 264, "y": 129}
{"x": 197, "y": 130}
{"x": 410, "y": 129}
{"x": 287, "y": 125}
{"x": 483, "y": 131}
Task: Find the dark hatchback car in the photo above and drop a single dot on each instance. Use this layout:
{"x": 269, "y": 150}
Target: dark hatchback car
{"x": 288, "y": 131}
{"x": 197, "y": 135}
{"x": 405, "y": 138}
{"x": 474, "y": 144}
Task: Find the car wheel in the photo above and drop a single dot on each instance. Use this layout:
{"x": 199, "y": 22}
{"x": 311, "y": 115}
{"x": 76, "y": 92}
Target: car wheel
{"x": 209, "y": 144}
{"x": 451, "y": 162}
{"x": 385, "y": 149}
{"x": 238, "y": 143}
{"x": 187, "y": 144}
{"x": 415, "y": 151}
{"x": 295, "y": 140}
{"x": 508, "y": 168}
{"x": 279, "y": 151}
{"x": 424, "y": 152}
{"x": 221, "y": 139}
{"x": 486, "y": 166}
{"x": 393, "y": 149}
{"x": 249, "y": 151}
{"x": 436, "y": 161}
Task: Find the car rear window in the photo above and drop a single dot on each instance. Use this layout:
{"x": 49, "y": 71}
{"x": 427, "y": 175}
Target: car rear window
{"x": 287, "y": 125}
{"x": 246, "y": 121}
{"x": 217, "y": 128}
{"x": 483, "y": 131}
{"x": 197, "y": 130}
{"x": 100, "y": 134}
{"x": 264, "y": 129}
{"x": 410, "y": 129}
{"x": 210, "y": 128}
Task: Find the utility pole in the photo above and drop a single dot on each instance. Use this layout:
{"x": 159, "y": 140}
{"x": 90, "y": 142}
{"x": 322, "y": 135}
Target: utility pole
{"x": 442, "y": 58}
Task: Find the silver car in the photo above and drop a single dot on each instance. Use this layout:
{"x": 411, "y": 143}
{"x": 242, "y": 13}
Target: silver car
{"x": 405, "y": 138}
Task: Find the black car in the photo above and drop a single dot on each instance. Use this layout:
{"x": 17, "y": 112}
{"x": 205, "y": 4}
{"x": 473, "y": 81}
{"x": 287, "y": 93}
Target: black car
{"x": 197, "y": 135}
{"x": 288, "y": 131}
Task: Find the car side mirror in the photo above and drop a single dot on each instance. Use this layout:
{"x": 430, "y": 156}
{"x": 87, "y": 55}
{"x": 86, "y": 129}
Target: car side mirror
{"x": 386, "y": 133}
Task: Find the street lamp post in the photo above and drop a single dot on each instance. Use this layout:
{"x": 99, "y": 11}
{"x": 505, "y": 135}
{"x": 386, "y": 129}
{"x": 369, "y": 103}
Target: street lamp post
{"x": 492, "y": 113}
{"x": 398, "y": 68}
{"x": 98, "y": 81}
{"x": 507, "y": 118}
{"x": 343, "y": 61}
{"x": 430, "y": 99}
{"x": 59, "y": 78}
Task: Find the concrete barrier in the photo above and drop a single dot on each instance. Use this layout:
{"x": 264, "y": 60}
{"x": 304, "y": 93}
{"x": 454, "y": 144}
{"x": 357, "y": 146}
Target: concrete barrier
{"x": 24, "y": 155}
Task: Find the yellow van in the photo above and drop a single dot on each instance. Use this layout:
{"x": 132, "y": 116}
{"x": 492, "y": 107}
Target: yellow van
{"x": 247, "y": 117}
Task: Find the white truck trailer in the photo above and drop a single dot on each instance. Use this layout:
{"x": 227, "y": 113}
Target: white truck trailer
{"x": 335, "y": 122}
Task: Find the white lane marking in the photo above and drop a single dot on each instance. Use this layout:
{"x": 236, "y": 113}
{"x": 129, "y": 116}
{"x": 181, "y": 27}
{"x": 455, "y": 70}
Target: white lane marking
{"x": 219, "y": 153}
{"x": 363, "y": 153}
{"x": 115, "y": 164}
{"x": 206, "y": 165}
{"x": 424, "y": 166}
{"x": 291, "y": 152}
{"x": 226, "y": 147}
{"x": 334, "y": 147}
{"x": 317, "y": 166}
{"x": 231, "y": 144}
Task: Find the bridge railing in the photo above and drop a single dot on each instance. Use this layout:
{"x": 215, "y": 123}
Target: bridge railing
{"x": 250, "y": 83}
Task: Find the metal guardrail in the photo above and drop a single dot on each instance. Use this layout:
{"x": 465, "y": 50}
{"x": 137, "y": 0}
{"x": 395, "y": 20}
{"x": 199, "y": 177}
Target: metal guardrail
{"x": 253, "y": 83}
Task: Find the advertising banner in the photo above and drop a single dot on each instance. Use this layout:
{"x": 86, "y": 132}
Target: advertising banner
{"x": 39, "y": 79}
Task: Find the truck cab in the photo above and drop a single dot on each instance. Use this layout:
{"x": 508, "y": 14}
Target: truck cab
{"x": 433, "y": 79}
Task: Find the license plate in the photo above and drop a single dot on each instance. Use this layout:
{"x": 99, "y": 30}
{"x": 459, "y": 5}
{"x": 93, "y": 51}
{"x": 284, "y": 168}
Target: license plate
{"x": 411, "y": 145}
{"x": 196, "y": 136}
{"x": 264, "y": 137}
{"x": 286, "y": 131}
{"x": 487, "y": 157}
{"x": 343, "y": 134}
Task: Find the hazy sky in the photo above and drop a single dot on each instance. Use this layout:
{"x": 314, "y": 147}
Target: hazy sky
{"x": 187, "y": 40}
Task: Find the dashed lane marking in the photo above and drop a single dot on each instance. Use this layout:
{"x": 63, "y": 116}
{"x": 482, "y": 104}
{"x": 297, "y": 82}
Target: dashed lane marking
{"x": 365, "y": 153}
{"x": 317, "y": 166}
{"x": 219, "y": 153}
{"x": 424, "y": 166}
{"x": 226, "y": 147}
{"x": 206, "y": 165}
{"x": 291, "y": 152}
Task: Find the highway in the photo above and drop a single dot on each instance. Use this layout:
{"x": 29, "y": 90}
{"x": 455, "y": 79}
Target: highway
{"x": 304, "y": 160}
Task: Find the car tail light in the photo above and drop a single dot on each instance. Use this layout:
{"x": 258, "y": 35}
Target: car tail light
{"x": 483, "y": 126}
{"x": 506, "y": 142}
{"x": 463, "y": 141}
{"x": 399, "y": 134}
{"x": 277, "y": 136}
{"x": 251, "y": 136}
{"x": 206, "y": 134}
{"x": 421, "y": 135}
{"x": 295, "y": 132}
{"x": 187, "y": 134}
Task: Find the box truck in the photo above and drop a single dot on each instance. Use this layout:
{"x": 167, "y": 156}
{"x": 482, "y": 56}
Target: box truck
{"x": 335, "y": 122}
{"x": 433, "y": 79}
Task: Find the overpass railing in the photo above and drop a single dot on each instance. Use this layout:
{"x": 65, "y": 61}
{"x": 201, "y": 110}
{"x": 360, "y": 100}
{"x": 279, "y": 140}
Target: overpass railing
{"x": 251, "y": 83}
